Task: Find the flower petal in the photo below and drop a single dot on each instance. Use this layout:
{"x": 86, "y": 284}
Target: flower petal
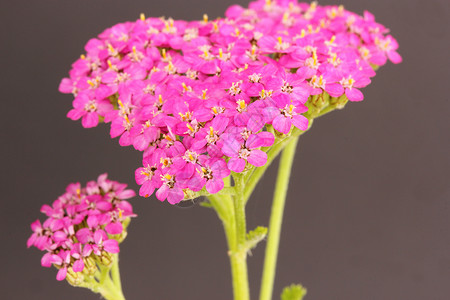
{"x": 111, "y": 246}
{"x": 61, "y": 275}
{"x": 354, "y": 94}
{"x": 257, "y": 158}
{"x": 282, "y": 124}
{"x": 236, "y": 164}
{"x": 214, "y": 185}
{"x": 114, "y": 228}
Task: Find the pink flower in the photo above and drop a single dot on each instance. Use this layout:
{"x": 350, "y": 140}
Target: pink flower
{"x": 211, "y": 175}
{"x": 389, "y": 46}
{"x": 103, "y": 243}
{"x": 286, "y": 113}
{"x": 208, "y": 139}
{"x": 242, "y": 151}
{"x": 289, "y": 85}
{"x": 89, "y": 110}
{"x": 170, "y": 190}
{"x": 351, "y": 82}
{"x": 149, "y": 176}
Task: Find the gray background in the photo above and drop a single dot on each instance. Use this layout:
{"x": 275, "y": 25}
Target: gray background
{"x": 368, "y": 211}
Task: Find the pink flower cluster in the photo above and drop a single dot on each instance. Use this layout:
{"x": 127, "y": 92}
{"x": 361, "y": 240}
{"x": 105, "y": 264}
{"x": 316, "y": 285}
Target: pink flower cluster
{"x": 200, "y": 98}
{"x": 83, "y": 227}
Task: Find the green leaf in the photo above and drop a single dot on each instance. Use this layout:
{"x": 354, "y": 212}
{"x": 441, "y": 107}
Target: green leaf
{"x": 293, "y": 292}
{"x": 255, "y": 236}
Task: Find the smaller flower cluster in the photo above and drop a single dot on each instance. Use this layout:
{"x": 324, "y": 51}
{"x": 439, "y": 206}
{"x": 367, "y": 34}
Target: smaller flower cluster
{"x": 83, "y": 228}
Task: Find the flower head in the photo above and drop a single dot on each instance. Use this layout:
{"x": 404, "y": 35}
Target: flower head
{"x": 83, "y": 226}
{"x": 200, "y": 96}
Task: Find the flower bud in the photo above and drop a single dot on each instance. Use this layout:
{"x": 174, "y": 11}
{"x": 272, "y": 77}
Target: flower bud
{"x": 339, "y": 102}
{"x": 74, "y": 278}
{"x": 106, "y": 259}
{"x": 90, "y": 267}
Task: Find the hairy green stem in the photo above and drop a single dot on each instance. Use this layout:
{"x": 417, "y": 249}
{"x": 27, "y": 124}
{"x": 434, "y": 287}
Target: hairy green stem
{"x": 110, "y": 291}
{"x": 238, "y": 255}
{"x": 231, "y": 211}
{"x": 115, "y": 274}
{"x": 107, "y": 281}
{"x": 276, "y": 218}
{"x": 239, "y": 208}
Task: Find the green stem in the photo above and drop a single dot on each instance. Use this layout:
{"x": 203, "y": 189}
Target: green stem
{"x": 115, "y": 274}
{"x": 276, "y": 218}
{"x": 231, "y": 210}
{"x": 239, "y": 273}
{"x": 238, "y": 255}
{"x": 110, "y": 291}
{"x": 239, "y": 208}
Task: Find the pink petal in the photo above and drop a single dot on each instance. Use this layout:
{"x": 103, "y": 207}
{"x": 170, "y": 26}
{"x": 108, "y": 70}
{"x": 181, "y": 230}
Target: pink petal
{"x": 75, "y": 114}
{"x": 61, "y": 274}
{"x": 140, "y": 178}
{"x": 90, "y": 120}
{"x": 394, "y": 57}
{"x": 104, "y": 205}
{"x": 215, "y": 185}
{"x": 236, "y": 164}
{"x": 282, "y": 124}
{"x": 354, "y": 94}
{"x": 66, "y": 86}
{"x": 140, "y": 142}
{"x": 220, "y": 123}
{"x": 78, "y": 265}
{"x": 31, "y": 240}
{"x": 59, "y": 236}
{"x": 47, "y": 260}
{"x": 111, "y": 246}
{"x": 162, "y": 192}
{"x": 92, "y": 221}
{"x": 83, "y": 235}
{"x": 36, "y": 225}
{"x": 175, "y": 196}
{"x": 378, "y": 58}
{"x": 199, "y": 143}
{"x": 257, "y": 158}
{"x": 126, "y": 194}
{"x": 220, "y": 169}
{"x": 268, "y": 138}
{"x": 231, "y": 147}
{"x": 254, "y": 141}
{"x": 300, "y": 122}
{"x": 114, "y": 228}
{"x": 147, "y": 189}
{"x": 125, "y": 206}
{"x": 334, "y": 89}
{"x": 100, "y": 236}
{"x": 256, "y": 122}
{"x": 270, "y": 113}
{"x": 87, "y": 250}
